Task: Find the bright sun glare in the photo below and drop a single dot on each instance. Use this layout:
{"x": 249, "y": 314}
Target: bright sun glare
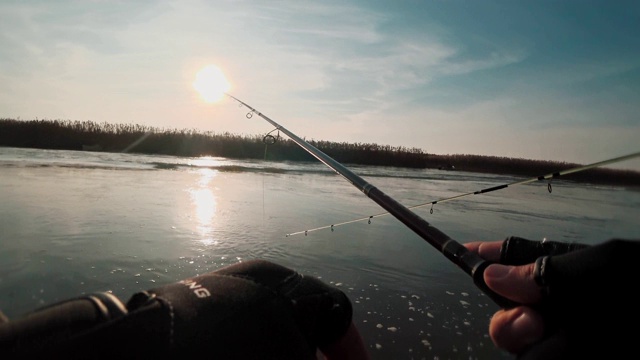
{"x": 211, "y": 83}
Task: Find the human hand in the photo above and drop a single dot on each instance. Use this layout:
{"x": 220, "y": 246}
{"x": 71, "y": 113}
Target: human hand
{"x": 517, "y": 328}
{"x": 571, "y": 297}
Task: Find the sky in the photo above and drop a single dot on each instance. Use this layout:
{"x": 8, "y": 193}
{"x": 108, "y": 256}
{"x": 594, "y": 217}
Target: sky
{"x": 546, "y": 80}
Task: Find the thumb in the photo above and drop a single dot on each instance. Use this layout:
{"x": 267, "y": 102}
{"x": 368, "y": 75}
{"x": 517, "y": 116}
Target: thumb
{"x": 514, "y": 282}
{"x": 518, "y": 328}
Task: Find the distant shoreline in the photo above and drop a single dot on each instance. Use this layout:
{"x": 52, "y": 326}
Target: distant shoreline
{"x": 91, "y": 136}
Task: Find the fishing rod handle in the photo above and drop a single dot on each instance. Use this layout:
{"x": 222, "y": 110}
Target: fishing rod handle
{"x": 474, "y": 265}
{"x": 519, "y": 251}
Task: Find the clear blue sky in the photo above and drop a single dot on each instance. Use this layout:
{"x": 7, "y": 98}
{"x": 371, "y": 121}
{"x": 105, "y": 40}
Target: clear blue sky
{"x": 554, "y": 80}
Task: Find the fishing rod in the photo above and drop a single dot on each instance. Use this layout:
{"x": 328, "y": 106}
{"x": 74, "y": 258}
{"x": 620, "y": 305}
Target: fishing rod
{"x": 470, "y": 262}
{"x": 482, "y": 191}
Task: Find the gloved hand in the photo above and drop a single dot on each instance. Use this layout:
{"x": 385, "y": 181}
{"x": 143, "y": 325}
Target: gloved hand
{"x": 576, "y": 299}
{"x": 250, "y": 310}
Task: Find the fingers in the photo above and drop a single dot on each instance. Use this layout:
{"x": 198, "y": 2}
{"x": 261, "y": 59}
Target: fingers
{"x": 516, "y": 329}
{"x": 513, "y": 282}
{"x": 487, "y": 250}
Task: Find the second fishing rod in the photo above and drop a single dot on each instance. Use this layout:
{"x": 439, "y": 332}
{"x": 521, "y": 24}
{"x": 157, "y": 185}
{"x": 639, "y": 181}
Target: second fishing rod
{"x": 469, "y": 262}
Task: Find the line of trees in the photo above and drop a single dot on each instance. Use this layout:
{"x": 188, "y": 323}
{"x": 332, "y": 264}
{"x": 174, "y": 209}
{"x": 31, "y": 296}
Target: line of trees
{"x": 88, "y": 135}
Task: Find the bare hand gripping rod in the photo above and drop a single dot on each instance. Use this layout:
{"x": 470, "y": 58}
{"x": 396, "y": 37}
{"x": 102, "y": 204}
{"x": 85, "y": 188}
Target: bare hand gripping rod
{"x": 468, "y": 261}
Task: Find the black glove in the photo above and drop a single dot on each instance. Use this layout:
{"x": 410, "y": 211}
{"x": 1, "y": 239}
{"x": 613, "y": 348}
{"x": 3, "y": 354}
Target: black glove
{"x": 589, "y": 296}
{"x": 250, "y": 310}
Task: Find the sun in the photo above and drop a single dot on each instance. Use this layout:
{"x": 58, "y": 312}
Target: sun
{"x": 211, "y": 83}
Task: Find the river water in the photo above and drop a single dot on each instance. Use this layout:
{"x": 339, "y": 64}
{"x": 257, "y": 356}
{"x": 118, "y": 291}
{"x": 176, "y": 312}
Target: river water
{"x": 74, "y": 222}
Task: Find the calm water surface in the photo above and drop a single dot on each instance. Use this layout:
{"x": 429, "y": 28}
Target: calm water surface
{"x": 77, "y": 222}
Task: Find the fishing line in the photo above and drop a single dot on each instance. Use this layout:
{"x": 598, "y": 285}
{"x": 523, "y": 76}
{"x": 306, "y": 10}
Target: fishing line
{"x": 470, "y": 262}
{"x": 268, "y": 139}
{"x": 483, "y": 191}
{"x": 263, "y": 211}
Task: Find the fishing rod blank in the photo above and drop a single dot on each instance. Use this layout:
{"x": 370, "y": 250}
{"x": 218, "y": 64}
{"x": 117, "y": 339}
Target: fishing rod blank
{"x": 470, "y": 262}
{"x": 483, "y": 191}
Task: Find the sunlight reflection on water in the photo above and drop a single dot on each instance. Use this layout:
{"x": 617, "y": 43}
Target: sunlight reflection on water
{"x": 205, "y": 205}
